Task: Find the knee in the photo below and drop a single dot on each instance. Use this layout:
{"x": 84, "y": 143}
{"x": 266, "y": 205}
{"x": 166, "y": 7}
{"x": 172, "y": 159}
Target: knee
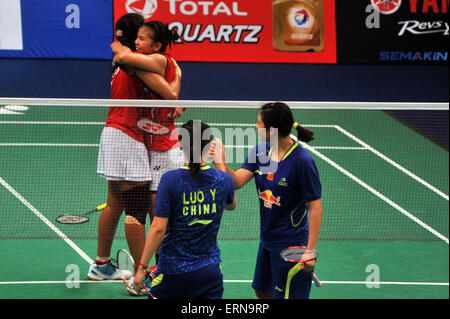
{"x": 137, "y": 204}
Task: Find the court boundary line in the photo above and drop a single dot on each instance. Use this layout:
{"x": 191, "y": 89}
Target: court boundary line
{"x": 51, "y": 144}
{"x": 392, "y": 162}
{"x": 377, "y": 193}
{"x": 46, "y": 221}
{"x": 371, "y": 283}
{"x": 350, "y": 148}
{"x": 51, "y": 123}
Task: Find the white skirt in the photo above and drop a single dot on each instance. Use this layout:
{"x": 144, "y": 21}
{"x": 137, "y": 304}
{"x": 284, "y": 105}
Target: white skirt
{"x": 122, "y": 158}
{"x": 162, "y": 162}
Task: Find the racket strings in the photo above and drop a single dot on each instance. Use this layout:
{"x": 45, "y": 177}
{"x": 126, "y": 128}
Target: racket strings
{"x": 124, "y": 261}
{"x": 299, "y": 254}
{"x": 72, "y": 219}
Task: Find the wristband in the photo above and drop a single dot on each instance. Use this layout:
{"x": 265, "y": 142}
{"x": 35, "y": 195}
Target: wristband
{"x": 143, "y": 266}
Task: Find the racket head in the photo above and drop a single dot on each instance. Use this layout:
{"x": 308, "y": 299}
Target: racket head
{"x": 298, "y": 254}
{"x": 72, "y": 219}
{"x": 125, "y": 261}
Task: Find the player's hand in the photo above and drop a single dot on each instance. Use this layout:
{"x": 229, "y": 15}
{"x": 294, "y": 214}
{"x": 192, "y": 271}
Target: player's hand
{"x": 217, "y": 152}
{"x": 175, "y": 113}
{"x": 309, "y": 266}
{"x": 119, "y": 50}
{"x": 118, "y": 47}
{"x": 138, "y": 278}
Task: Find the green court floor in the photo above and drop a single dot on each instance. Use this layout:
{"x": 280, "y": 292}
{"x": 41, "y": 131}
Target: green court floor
{"x": 385, "y": 199}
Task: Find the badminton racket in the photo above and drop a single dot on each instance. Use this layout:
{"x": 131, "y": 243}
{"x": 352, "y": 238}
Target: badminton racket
{"x": 78, "y": 218}
{"x": 301, "y": 254}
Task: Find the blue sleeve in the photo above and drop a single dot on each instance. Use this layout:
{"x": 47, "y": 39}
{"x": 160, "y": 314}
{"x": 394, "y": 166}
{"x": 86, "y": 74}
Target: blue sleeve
{"x": 311, "y": 188}
{"x": 257, "y": 153}
{"x": 250, "y": 164}
{"x": 230, "y": 188}
{"x": 163, "y": 202}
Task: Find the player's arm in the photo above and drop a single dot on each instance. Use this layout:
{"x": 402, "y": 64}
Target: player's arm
{"x": 168, "y": 91}
{"x": 240, "y": 177}
{"x": 315, "y": 222}
{"x": 217, "y": 152}
{"x": 152, "y": 62}
{"x": 176, "y": 86}
{"x": 154, "y": 240}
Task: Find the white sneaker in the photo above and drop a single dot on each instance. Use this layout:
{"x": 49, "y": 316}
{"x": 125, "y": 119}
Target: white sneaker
{"x": 131, "y": 290}
{"x": 108, "y": 272}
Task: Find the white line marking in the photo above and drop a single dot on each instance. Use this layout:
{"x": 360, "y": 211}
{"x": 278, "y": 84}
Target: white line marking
{"x": 226, "y": 146}
{"x": 350, "y": 148}
{"x": 386, "y": 283}
{"x": 58, "y": 282}
{"x": 233, "y": 281}
{"x": 177, "y": 123}
{"x": 46, "y": 221}
{"x": 49, "y": 144}
{"x": 51, "y": 123}
{"x": 377, "y": 193}
{"x": 396, "y": 165}
{"x": 365, "y": 282}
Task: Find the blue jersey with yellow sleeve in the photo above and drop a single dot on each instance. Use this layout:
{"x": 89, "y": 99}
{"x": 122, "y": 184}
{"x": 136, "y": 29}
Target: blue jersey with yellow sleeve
{"x": 284, "y": 190}
{"x": 194, "y": 206}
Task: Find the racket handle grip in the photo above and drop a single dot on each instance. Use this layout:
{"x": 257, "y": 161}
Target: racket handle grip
{"x": 316, "y": 280}
{"x": 100, "y": 207}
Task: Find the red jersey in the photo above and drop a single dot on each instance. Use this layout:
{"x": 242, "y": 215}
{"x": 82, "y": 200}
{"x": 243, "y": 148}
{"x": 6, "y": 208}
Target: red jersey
{"x": 159, "y": 114}
{"x": 129, "y": 87}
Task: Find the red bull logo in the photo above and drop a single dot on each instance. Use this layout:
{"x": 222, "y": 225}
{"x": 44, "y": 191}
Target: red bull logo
{"x": 268, "y": 198}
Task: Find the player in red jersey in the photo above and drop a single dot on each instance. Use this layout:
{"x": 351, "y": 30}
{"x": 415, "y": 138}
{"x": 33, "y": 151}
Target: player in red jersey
{"x": 161, "y": 139}
{"x": 123, "y": 158}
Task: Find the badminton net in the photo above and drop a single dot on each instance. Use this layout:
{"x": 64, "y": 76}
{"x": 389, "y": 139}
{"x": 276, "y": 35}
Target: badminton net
{"x": 383, "y": 166}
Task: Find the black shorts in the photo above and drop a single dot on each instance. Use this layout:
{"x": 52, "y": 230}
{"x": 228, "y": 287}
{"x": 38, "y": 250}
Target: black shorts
{"x": 204, "y": 283}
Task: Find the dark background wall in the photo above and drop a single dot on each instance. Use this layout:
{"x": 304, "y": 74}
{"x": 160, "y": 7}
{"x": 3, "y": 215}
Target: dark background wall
{"x": 236, "y": 81}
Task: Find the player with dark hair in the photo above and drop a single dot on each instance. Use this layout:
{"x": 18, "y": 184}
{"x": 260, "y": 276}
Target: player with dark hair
{"x": 289, "y": 190}
{"x": 153, "y": 39}
{"x": 189, "y": 205}
{"x": 123, "y": 158}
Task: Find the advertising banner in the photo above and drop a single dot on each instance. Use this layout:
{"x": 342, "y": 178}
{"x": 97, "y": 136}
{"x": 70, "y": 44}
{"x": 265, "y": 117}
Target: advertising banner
{"x": 56, "y": 29}
{"x": 392, "y": 31}
{"x": 295, "y": 31}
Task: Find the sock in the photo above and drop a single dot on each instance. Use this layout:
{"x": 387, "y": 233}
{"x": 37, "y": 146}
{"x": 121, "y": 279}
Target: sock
{"x": 102, "y": 261}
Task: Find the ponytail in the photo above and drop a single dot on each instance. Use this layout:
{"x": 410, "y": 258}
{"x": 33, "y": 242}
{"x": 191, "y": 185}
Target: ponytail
{"x": 303, "y": 134}
{"x": 194, "y": 168}
{"x": 173, "y": 36}
{"x": 193, "y": 148}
